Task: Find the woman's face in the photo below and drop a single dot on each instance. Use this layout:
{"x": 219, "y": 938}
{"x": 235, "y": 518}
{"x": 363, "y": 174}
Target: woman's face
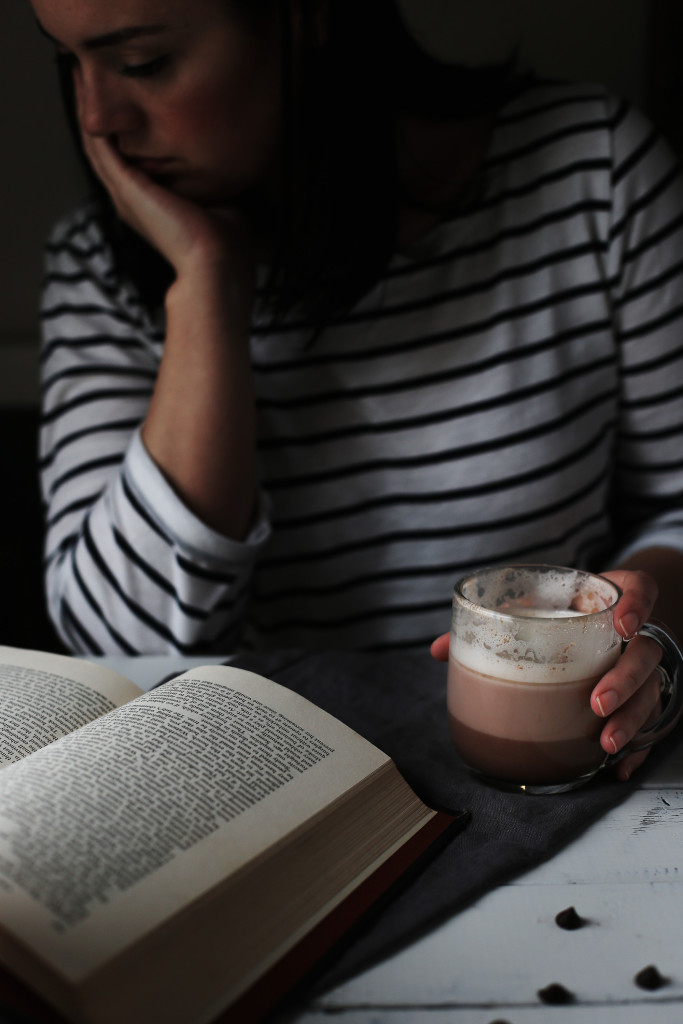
{"x": 183, "y": 87}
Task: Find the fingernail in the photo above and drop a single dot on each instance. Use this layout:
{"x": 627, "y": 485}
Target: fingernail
{"x": 617, "y": 739}
{"x": 629, "y": 624}
{"x": 607, "y": 702}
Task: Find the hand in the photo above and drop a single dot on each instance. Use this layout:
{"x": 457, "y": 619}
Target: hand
{"x": 181, "y": 230}
{"x": 628, "y": 696}
{"x": 439, "y": 648}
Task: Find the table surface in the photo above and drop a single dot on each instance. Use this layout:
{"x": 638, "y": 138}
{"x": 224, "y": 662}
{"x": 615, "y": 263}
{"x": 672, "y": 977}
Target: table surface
{"x": 487, "y": 963}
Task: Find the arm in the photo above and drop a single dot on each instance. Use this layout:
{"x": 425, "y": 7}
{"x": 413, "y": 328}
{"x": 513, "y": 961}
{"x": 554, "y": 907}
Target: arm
{"x": 148, "y": 556}
{"x": 129, "y": 568}
{"x": 199, "y": 427}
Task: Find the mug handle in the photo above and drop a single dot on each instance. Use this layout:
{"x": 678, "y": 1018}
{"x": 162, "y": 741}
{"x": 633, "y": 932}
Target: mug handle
{"x": 670, "y": 671}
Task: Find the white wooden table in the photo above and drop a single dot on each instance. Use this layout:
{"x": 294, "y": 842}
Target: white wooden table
{"x": 624, "y": 875}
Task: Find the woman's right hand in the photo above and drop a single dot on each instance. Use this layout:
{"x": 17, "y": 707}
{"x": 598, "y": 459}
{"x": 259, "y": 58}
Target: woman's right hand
{"x": 182, "y": 231}
{"x": 200, "y": 426}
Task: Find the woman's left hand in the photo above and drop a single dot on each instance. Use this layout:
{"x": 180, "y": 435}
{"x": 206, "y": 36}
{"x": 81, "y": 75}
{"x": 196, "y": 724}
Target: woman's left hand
{"x": 628, "y": 696}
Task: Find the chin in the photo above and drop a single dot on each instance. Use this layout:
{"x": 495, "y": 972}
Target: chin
{"x": 192, "y": 191}
{"x": 203, "y": 191}
{"x": 208, "y": 189}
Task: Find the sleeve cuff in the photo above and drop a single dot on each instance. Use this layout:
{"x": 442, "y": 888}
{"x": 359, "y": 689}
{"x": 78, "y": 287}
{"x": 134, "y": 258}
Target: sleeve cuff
{"x": 662, "y": 538}
{"x": 163, "y": 505}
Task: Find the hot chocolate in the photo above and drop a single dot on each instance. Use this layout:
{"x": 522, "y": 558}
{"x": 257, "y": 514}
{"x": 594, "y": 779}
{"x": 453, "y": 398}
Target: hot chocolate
{"x": 496, "y": 725}
{"x": 528, "y": 645}
{"x": 519, "y": 709}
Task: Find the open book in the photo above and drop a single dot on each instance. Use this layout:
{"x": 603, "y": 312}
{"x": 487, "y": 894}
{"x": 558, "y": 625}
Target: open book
{"x": 183, "y": 855}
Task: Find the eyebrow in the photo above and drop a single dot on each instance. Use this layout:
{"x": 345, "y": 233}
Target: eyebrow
{"x": 115, "y": 38}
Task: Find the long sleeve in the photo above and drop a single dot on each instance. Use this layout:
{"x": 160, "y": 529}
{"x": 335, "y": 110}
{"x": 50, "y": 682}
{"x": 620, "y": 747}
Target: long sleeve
{"x": 511, "y": 390}
{"x": 646, "y": 264}
{"x": 128, "y": 567}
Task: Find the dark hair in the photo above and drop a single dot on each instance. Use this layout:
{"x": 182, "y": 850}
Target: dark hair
{"x": 335, "y": 224}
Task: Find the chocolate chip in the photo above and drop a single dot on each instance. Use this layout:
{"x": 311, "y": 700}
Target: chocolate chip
{"x": 555, "y": 995}
{"x": 570, "y": 920}
{"x": 650, "y": 978}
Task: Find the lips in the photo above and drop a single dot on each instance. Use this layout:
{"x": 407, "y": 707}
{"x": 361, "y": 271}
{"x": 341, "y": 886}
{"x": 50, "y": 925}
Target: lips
{"x": 151, "y": 165}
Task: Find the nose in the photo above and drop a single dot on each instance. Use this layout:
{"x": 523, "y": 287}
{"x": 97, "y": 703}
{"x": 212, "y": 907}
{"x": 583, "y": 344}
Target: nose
{"x": 105, "y": 108}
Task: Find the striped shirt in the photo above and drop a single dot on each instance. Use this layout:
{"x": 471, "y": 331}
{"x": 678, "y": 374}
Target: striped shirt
{"x": 511, "y": 390}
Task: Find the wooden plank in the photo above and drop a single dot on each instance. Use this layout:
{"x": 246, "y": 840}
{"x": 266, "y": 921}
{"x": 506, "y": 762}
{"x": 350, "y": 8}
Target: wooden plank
{"x": 652, "y": 1013}
{"x": 501, "y": 951}
{"x": 641, "y": 840}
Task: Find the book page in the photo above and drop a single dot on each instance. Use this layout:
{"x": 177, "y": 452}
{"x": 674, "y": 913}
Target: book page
{"x": 45, "y": 696}
{"x": 113, "y": 828}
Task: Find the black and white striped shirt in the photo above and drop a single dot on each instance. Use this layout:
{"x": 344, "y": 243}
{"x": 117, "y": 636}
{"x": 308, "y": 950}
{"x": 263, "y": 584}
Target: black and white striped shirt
{"x": 511, "y": 391}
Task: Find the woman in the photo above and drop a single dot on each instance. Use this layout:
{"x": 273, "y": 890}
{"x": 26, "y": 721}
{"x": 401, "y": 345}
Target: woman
{"x": 377, "y": 322}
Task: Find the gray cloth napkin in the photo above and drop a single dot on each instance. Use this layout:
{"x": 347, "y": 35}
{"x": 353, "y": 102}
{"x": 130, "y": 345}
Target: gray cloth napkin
{"x": 397, "y": 701}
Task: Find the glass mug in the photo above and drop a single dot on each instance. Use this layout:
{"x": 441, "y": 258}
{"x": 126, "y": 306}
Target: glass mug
{"x": 528, "y": 643}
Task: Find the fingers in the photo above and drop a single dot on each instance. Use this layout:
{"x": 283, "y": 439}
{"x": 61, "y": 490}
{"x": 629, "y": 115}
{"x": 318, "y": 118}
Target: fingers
{"x": 439, "y": 648}
{"x": 625, "y": 768}
{"x": 632, "y": 716}
{"x": 130, "y": 190}
{"x": 99, "y": 151}
{"x": 151, "y": 210}
{"x": 103, "y": 161}
{"x": 635, "y": 665}
{"x": 178, "y": 228}
{"x": 639, "y": 593}
{"x": 629, "y": 695}
{"x": 117, "y": 176}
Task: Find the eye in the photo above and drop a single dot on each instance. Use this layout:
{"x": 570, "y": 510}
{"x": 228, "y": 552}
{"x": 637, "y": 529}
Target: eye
{"x": 147, "y": 69}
